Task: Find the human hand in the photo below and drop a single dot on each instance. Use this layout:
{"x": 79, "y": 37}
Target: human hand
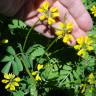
{"x": 74, "y": 10}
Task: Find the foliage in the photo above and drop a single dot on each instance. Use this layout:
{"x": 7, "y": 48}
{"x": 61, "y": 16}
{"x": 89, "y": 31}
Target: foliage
{"x": 42, "y": 70}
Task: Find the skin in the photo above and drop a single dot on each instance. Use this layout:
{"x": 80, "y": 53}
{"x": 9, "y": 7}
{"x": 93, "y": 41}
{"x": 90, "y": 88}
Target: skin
{"x": 74, "y": 10}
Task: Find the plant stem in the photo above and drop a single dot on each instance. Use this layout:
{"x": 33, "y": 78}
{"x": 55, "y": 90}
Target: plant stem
{"x": 56, "y": 51}
{"x": 26, "y": 38}
{"x": 50, "y": 45}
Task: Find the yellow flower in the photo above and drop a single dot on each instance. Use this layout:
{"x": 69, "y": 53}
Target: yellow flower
{"x": 38, "y": 78}
{"x": 64, "y": 29}
{"x": 48, "y": 13}
{"x": 77, "y": 47}
{"x": 36, "y": 73}
{"x": 42, "y": 17}
{"x": 81, "y": 40}
{"x": 84, "y": 44}
{"x": 89, "y": 48}
{"x": 44, "y": 7}
{"x": 51, "y": 21}
{"x": 81, "y": 52}
{"x": 67, "y": 38}
{"x": 83, "y": 88}
{"x": 62, "y": 25}
{"x": 59, "y": 33}
{"x": 54, "y": 12}
{"x": 69, "y": 26}
{"x": 39, "y": 67}
{"x": 91, "y": 78}
{"x": 11, "y": 81}
{"x": 93, "y": 10}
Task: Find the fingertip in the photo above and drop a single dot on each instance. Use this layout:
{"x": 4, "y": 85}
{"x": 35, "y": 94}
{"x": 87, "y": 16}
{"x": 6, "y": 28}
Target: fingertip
{"x": 72, "y": 42}
{"x": 85, "y": 22}
{"x": 76, "y": 34}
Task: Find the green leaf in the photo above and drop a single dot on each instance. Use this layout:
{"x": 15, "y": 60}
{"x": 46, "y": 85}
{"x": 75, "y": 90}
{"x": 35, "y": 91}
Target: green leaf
{"x": 11, "y": 50}
{"x": 64, "y": 72}
{"x": 66, "y": 67}
{"x": 6, "y": 68}
{"x": 18, "y": 93}
{"x": 8, "y": 58}
{"x": 53, "y": 75}
{"x": 34, "y": 47}
{"x": 75, "y": 75}
{"x": 67, "y": 82}
{"x": 71, "y": 77}
{"x": 32, "y": 87}
{"x": 19, "y": 64}
{"x": 15, "y": 68}
{"x": 17, "y": 24}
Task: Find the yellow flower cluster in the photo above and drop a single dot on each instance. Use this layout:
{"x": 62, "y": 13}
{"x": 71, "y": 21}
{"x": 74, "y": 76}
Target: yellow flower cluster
{"x": 48, "y": 13}
{"x": 36, "y": 73}
{"x": 84, "y": 44}
{"x": 93, "y": 10}
{"x": 91, "y": 78}
{"x": 11, "y": 81}
{"x": 64, "y": 32}
{"x": 83, "y": 87}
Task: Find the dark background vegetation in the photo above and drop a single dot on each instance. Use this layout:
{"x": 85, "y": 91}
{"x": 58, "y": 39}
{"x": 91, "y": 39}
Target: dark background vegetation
{"x": 18, "y": 36}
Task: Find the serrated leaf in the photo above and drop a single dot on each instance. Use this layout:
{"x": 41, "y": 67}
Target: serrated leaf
{"x": 11, "y": 50}
{"x": 19, "y": 64}
{"x": 15, "y": 68}
{"x": 7, "y": 58}
{"x": 6, "y": 68}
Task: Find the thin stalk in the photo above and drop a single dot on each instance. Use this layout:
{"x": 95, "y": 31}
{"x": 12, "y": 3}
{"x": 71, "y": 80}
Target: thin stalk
{"x": 26, "y": 38}
{"x": 56, "y": 51}
{"x": 50, "y": 45}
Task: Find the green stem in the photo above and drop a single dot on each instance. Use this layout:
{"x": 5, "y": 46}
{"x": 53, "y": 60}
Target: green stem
{"x": 26, "y": 38}
{"x": 50, "y": 45}
{"x": 56, "y": 51}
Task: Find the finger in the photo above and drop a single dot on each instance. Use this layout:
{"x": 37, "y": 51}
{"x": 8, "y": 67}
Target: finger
{"x": 79, "y": 13}
{"x": 31, "y": 6}
{"x": 76, "y": 32}
{"x": 40, "y": 28}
